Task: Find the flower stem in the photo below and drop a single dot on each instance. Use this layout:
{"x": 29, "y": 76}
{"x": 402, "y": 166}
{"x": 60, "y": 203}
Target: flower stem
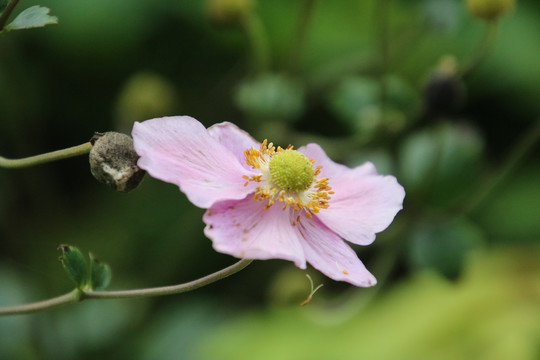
{"x": 7, "y": 11}
{"x": 522, "y": 148}
{"x": 78, "y": 295}
{"x": 47, "y": 157}
{"x": 483, "y": 50}
{"x": 382, "y": 12}
{"x": 70, "y": 297}
{"x": 302, "y": 29}
{"x": 169, "y": 290}
{"x": 255, "y": 32}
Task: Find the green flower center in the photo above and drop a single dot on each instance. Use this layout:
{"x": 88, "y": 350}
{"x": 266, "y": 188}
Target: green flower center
{"x": 291, "y": 170}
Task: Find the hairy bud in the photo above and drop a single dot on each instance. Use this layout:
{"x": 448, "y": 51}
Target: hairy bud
{"x": 113, "y": 161}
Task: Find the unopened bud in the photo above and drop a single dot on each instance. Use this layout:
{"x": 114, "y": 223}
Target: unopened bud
{"x": 444, "y": 94}
{"x": 228, "y": 12}
{"x": 113, "y": 161}
{"x": 489, "y": 9}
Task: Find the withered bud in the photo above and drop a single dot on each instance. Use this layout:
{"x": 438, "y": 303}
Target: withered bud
{"x": 113, "y": 161}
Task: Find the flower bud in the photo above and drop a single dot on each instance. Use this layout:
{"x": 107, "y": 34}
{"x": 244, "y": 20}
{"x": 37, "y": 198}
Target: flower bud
{"x": 113, "y": 161}
{"x": 145, "y": 95}
{"x": 444, "y": 93}
{"x": 228, "y": 12}
{"x": 489, "y": 9}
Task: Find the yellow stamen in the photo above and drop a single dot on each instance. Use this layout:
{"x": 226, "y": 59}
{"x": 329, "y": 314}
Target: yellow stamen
{"x": 310, "y": 201}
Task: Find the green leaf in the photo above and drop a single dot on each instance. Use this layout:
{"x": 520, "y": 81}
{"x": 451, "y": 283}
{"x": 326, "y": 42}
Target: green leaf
{"x": 440, "y": 163}
{"x": 100, "y": 274}
{"x": 271, "y": 97}
{"x": 33, "y": 17}
{"x": 74, "y": 263}
{"x": 444, "y": 247}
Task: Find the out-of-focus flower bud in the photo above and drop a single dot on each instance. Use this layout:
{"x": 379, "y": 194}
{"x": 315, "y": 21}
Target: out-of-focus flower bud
{"x": 144, "y": 96}
{"x": 444, "y": 93}
{"x": 113, "y": 161}
{"x": 489, "y": 9}
{"x": 271, "y": 97}
{"x": 228, "y": 12}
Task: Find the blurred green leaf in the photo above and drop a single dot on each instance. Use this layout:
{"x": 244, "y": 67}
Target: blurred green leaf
{"x": 177, "y": 329}
{"x": 354, "y": 97}
{"x": 271, "y": 97}
{"x": 33, "y": 17}
{"x": 100, "y": 274}
{"x": 74, "y": 264}
{"x": 358, "y": 101}
{"x": 15, "y": 331}
{"x": 512, "y": 213}
{"x": 444, "y": 247}
{"x": 87, "y": 328}
{"x": 440, "y": 163}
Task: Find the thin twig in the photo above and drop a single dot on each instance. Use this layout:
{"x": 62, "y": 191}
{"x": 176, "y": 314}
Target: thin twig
{"x": 5, "y": 15}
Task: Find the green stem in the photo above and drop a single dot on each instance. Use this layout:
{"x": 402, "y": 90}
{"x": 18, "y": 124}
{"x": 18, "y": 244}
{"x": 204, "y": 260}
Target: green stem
{"x": 522, "y": 148}
{"x": 7, "y": 11}
{"x": 71, "y": 297}
{"x": 382, "y": 9}
{"x": 80, "y": 295}
{"x": 259, "y": 44}
{"x": 47, "y": 157}
{"x": 169, "y": 290}
{"x": 302, "y": 29}
{"x": 483, "y": 50}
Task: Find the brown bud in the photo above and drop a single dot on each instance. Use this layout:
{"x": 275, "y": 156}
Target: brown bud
{"x": 113, "y": 161}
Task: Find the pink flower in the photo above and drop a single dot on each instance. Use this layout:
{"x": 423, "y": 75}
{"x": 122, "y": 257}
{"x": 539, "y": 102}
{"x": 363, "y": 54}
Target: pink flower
{"x": 265, "y": 202}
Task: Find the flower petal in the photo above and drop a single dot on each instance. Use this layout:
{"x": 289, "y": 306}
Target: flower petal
{"x": 364, "y": 202}
{"x": 234, "y": 139}
{"x": 331, "y": 169}
{"x": 246, "y": 230}
{"x": 329, "y": 254}
{"x": 179, "y": 150}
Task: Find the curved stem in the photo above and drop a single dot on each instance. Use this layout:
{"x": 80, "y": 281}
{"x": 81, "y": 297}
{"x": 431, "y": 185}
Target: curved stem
{"x": 483, "y": 49}
{"x": 168, "y": 290}
{"x": 71, "y": 297}
{"x": 302, "y": 29}
{"x": 523, "y": 147}
{"x": 47, "y": 157}
{"x": 255, "y": 32}
{"x": 7, "y": 11}
{"x": 382, "y": 18}
{"x": 78, "y": 295}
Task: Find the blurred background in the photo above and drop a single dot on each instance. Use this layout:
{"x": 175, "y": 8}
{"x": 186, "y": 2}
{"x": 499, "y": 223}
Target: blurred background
{"x": 443, "y": 99}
